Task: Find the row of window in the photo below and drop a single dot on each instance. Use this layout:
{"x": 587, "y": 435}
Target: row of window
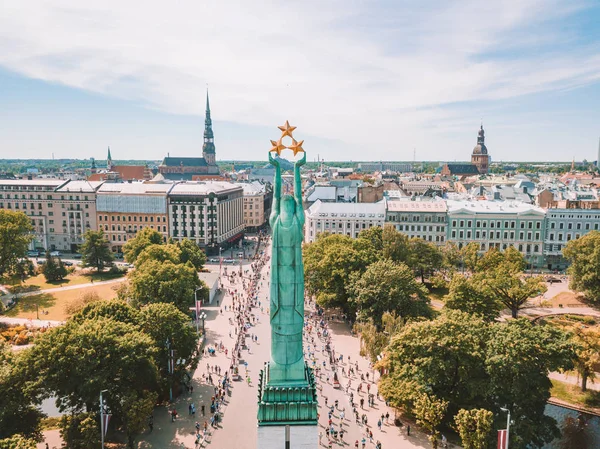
{"x": 578, "y": 226}
{"x": 130, "y": 228}
{"x": 527, "y": 248}
{"x": 495, "y": 224}
{"x": 427, "y": 218}
{"x": 39, "y": 197}
{"x": 497, "y": 235}
{"x": 135, "y": 218}
{"x": 418, "y": 228}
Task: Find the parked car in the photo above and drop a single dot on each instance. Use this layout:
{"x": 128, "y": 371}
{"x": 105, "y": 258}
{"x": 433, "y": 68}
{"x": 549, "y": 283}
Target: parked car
{"x": 241, "y": 254}
{"x": 228, "y": 260}
{"x": 551, "y": 280}
{"x": 56, "y": 254}
{"x": 213, "y": 260}
{"x": 33, "y": 253}
{"x": 66, "y": 263}
{"x": 76, "y": 256}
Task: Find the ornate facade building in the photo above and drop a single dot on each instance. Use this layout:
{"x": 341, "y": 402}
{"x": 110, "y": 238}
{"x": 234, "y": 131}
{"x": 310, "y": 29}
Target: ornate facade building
{"x": 193, "y": 168}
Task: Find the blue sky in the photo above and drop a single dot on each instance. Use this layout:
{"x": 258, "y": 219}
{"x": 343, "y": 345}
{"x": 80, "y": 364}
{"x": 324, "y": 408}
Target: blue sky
{"x": 361, "y": 79}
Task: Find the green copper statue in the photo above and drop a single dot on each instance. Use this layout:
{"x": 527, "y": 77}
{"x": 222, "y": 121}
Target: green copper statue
{"x": 287, "y": 279}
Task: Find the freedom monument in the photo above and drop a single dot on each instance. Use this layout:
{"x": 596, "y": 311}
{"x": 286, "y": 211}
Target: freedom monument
{"x": 287, "y": 395}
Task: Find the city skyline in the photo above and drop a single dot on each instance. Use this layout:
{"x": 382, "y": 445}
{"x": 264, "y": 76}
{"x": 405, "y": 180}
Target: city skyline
{"x": 365, "y": 81}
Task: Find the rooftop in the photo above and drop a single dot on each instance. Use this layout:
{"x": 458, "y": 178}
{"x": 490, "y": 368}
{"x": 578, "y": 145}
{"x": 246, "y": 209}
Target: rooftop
{"x": 493, "y": 207}
{"x": 204, "y": 188}
{"x": 81, "y": 186}
{"x": 33, "y": 182}
{"x": 416, "y": 206}
{"x": 358, "y": 209}
{"x": 135, "y": 188}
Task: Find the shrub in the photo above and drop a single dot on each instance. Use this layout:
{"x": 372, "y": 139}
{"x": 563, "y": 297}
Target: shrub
{"x": 81, "y": 302}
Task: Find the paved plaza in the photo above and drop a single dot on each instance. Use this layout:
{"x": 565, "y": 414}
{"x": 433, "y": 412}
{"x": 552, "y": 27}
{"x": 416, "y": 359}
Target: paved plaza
{"x": 238, "y": 428}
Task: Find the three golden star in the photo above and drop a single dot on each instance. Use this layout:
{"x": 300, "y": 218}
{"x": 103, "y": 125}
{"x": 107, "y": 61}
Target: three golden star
{"x": 277, "y": 145}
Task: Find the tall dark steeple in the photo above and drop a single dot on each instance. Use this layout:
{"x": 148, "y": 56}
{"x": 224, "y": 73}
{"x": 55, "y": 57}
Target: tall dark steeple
{"x": 109, "y": 160}
{"x": 208, "y": 149}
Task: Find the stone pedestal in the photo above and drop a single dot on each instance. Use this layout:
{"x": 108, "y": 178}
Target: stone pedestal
{"x": 287, "y": 403}
{"x": 301, "y": 437}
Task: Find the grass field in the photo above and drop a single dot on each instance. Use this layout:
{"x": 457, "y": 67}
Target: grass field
{"x": 572, "y": 394}
{"x": 77, "y": 278}
{"x": 55, "y": 303}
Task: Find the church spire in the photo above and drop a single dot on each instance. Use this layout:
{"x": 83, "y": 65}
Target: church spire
{"x": 208, "y": 149}
{"x": 481, "y": 136}
{"x": 109, "y": 160}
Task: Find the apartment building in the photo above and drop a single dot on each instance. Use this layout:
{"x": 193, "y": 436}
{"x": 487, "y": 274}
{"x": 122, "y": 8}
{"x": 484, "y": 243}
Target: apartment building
{"x": 37, "y": 199}
{"x": 563, "y": 225}
{"x": 123, "y": 209}
{"x": 209, "y": 213}
{"x": 254, "y": 205}
{"x": 342, "y": 218}
{"x": 423, "y": 219}
{"x": 76, "y": 202}
{"x": 498, "y": 224}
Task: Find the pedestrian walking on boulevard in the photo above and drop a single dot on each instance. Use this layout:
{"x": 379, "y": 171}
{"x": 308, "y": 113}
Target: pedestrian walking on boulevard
{"x": 408, "y": 429}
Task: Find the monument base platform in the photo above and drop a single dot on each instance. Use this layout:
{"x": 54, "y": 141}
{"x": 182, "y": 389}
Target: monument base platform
{"x": 301, "y": 437}
{"x": 291, "y": 403}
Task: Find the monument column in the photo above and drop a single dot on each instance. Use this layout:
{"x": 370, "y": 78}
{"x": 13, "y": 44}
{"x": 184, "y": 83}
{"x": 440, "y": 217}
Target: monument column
{"x": 287, "y": 394}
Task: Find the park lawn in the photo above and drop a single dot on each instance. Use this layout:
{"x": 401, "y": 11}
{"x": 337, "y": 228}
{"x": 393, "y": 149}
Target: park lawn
{"x": 573, "y": 395}
{"x": 566, "y": 299}
{"x": 55, "y": 303}
{"x": 77, "y": 278}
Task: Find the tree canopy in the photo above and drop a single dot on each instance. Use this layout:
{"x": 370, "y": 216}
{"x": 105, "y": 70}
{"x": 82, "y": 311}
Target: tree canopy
{"x": 156, "y": 281}
{"x": 144, "y": 238}
{"x": 388, "y": 287}
{"x": 468, "y": 295}
{"x": 95, "y": 251}
{"x": 584, "y": 256}
{"x": 468, "y": 362}
{"x": 15, "y": 236}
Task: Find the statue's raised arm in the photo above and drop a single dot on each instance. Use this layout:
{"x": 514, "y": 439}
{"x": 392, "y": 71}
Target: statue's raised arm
{"x": 276, "y": 190}
{"x": 298, "y": 188}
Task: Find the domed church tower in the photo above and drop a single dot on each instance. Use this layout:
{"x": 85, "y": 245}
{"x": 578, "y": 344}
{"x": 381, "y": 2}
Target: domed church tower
{"x": 480, "y": 157}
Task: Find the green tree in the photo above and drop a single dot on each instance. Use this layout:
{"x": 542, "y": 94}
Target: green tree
{"x": 584, "y": 256}
{"x": 167, "y": 282}
{"x": 18, "y": 411}
{"x": 54, "y": 269}
{"x": 519, "y": 356}
{"x": 191, "y": 252}
{"x": 143, "y": 239}
{"x": 469, "y": 256}
{"x": 587, "y": 341}
{"x": 80, "y": 430}
{"x": 474, "y": 427}
{"x": 467, "y": 294}
{"x": 18, "y": 442}
{"x": 508, "y": 285}
{"x": 388, "y": 287}
{"x": 76, "y": 361}
{"x": 461, "y": 359}
{"x": 160, "y": 253}
{"x": 373, "y": 341}
{"x": 94, "y": 250}
{"x": 15, "y": 236}
{"x": 374, "y": 236}
{"x": 430, "y": 412}
{"x": 136, "y": 410}
{"x": 165, "y": 322}
{"x": 114, "y": 309}
{"x": 396, "y": 246}
{"x": 425, "y": 257}
{"x": 328, "y": 263}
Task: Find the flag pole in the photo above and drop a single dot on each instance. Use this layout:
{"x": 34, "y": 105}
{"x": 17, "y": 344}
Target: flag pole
{"x": 102, "y": 418}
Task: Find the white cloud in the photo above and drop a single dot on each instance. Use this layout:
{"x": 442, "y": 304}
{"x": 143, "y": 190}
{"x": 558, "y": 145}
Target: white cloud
{"x": 353, "y": 71}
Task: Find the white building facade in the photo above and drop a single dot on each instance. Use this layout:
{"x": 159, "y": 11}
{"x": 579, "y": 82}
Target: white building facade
{"x": 342, "y": 218}
{"x": 422, "y": 219}
{"x": 498, "y": 224}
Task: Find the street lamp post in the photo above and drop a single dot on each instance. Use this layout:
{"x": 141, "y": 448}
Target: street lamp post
{"x": 170, "y": 368}
{"x": 203, "y": 317}
{"x": 102, "y": 418}
{"x": 196, "y": 306}
{"x": 507, "y": 424}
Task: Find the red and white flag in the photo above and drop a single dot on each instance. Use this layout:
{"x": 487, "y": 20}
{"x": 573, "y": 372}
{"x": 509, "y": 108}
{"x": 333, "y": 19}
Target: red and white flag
{"x": 105, "y": 419}
{"x": 502, "y": 434}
